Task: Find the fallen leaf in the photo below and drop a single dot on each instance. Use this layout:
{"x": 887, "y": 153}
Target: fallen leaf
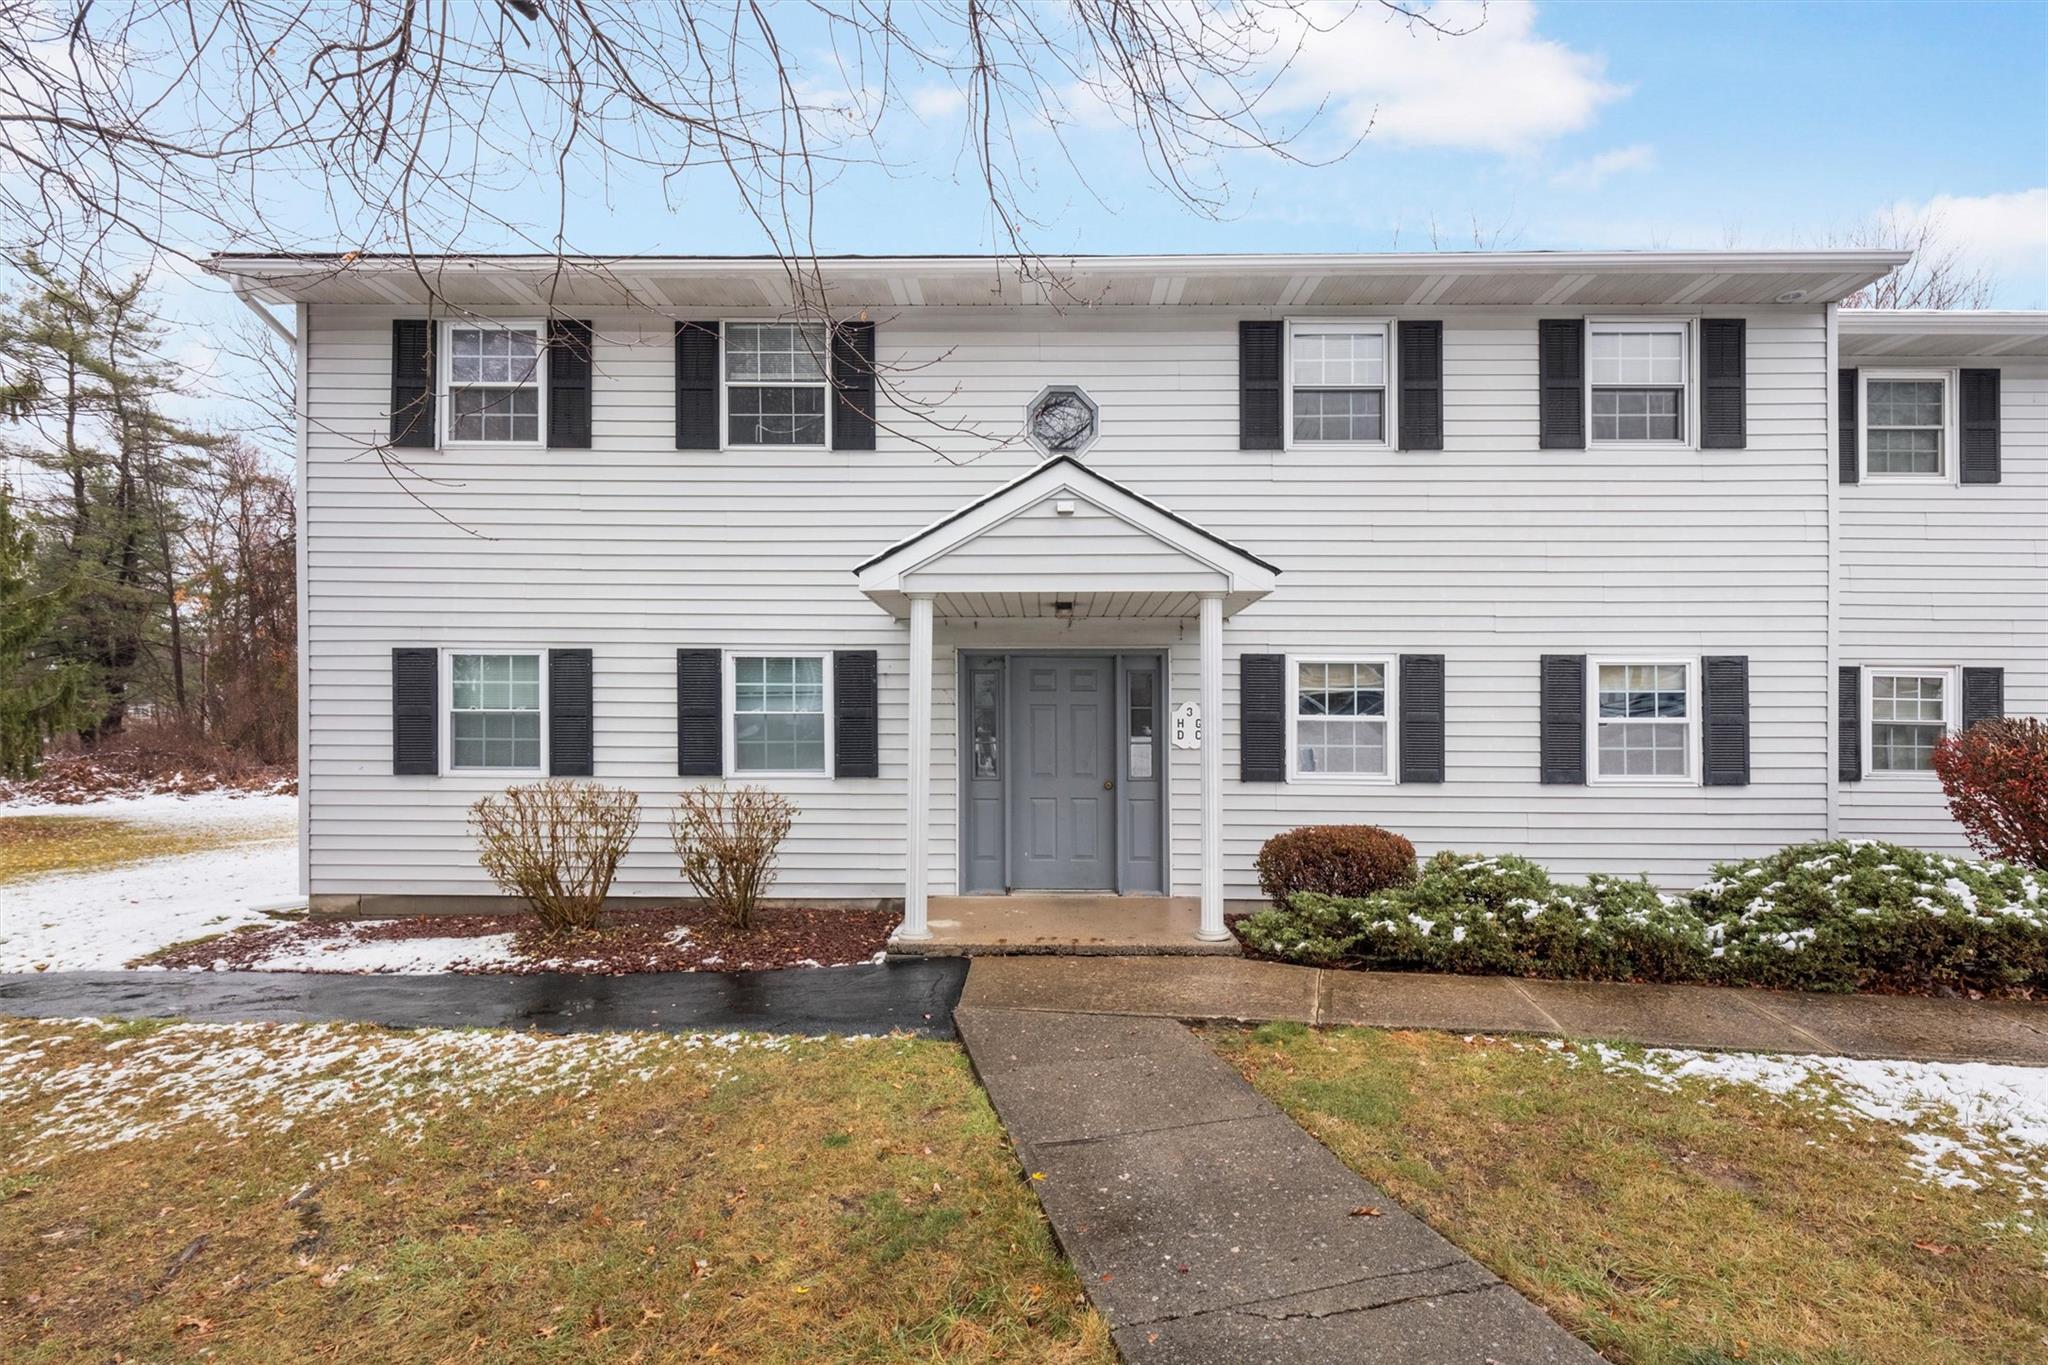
{"x": 1933, "y": 1248}
{"x": 1365, "y": 1211}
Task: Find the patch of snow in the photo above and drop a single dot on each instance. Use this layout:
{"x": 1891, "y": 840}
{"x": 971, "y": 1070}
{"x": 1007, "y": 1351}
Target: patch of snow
{"x": 199, "y": 808}
{"x": 1958, "y": 1116}
{"x": 100, "y": 921}
{"x": 347, "y": 951}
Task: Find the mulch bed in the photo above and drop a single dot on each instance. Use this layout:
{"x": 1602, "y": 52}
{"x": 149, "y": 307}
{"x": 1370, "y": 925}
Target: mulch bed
{"x": 626, "y": 941}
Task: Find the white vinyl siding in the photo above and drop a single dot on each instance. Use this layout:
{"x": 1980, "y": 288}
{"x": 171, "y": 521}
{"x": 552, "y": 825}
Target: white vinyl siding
{"x": 1338, "y": 383}
{"x": 1488, "y": 552}
{"x": 775, "y": 385}
{"x": 1937, "y": 575}
{"x": 492, "y": 377}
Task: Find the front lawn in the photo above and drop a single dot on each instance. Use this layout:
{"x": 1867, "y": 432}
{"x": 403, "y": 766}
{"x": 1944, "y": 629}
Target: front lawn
{"x": 1667, "y": 1213}
{"x": 40, "y": 845}
{"x": 256, "y": 1192}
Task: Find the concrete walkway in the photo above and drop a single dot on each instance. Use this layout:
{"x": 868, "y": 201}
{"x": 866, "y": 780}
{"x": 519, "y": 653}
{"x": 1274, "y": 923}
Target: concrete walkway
{"x": 1208, "y": 1227}
{"x": 1664, "y": 1016}
{"x": 916, "y": 997}
{"x": 1065, "y": 923}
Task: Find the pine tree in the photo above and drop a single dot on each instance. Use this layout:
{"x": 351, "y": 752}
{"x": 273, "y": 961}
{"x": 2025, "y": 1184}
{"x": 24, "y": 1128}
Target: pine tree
{"x": 39, "y": 695}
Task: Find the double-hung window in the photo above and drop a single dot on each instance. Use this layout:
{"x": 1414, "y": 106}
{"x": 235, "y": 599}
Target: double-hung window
{"x": 1337, "y": 725}
{"x": 1908, "y": 714}
{"x": 775, "y": 382}
{"x": 493, "y": 382}
{"x": 1905, "y": 425}
{"x": 494, "y": 711}
{"x": 1636, "y": 372}
{"x": 778, "y": 711}
{"x": 1337, "y": 383}
{"x": 1642, "y": 720}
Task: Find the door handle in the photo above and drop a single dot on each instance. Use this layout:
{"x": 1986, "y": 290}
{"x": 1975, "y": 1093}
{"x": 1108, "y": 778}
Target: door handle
{"x": 1109, "y": 784}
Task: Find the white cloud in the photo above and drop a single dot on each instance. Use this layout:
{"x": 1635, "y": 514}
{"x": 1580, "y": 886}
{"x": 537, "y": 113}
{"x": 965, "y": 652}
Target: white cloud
{"x": 1500, "y": 87}
{"x": 937, "y": 101}
{"x": 1595, "y": 171}
{"x": 2006, "y": 235}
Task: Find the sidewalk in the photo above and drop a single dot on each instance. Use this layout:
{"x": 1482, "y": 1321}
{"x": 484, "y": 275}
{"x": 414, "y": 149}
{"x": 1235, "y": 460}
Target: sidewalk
{"x": 916, "y": 997}
{"x": 1209, "y": 1228}
{"x": 1189, "y": 988}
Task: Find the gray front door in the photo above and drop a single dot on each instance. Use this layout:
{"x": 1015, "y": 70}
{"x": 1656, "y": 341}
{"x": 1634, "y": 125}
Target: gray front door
{"x": 1063, "y": 801}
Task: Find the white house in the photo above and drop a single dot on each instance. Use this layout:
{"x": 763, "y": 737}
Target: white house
{"x": 1093, "y": 576}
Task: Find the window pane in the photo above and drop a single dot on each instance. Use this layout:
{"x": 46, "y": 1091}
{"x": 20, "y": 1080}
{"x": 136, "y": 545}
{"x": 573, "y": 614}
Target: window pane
{"x": 1905, "y": 402}
{"x": 1617, "y": 356}
{"x": 1641, "y": 691}
{"x": 1643, "y": 748}
{"x": 1909, "y": 451}
{"x": 1339, "y": 359}
{"x": 778, "y": 416}
{"x": 1637, "y": 415}
{"x": 1339, "y": 414}
{"x": 983, "y": 725}
{"x": 775, "y": 350}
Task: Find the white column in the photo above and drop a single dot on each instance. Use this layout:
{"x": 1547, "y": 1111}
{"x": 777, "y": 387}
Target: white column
{"x": 1212, "y": 930}
{"x": 918, "y": 798}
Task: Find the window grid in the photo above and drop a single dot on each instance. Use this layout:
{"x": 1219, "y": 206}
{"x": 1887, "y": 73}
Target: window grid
{"x": 1340, "y": 719}
{"x": 494, "y": 707}
{"x": 1337, "y": 377}
{"x": 1642, "y": 720}
{"x": 493, "y": 384}
{"x": 778, "y": 720}
{"x": 1908, "y": 716}
{"x": 1904, "y": 426}
{"x": 1637, "y": 377}
{"x": 775, "y": 377}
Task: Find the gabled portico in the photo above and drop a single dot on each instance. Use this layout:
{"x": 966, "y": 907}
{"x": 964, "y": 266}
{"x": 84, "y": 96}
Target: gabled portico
{"x": 1063, "y": 543}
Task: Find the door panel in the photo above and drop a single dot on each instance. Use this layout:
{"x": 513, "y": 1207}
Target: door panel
{"x": 1063, "y": 826}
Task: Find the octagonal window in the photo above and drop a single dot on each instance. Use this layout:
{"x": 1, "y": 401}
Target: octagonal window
{"x": 1062, "y": 420}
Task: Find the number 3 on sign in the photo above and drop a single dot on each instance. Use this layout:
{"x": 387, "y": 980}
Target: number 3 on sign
{"x": 1187, "y": 726}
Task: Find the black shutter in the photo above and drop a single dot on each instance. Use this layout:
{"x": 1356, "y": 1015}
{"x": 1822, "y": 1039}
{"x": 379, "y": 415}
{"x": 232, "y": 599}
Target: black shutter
{"x": 1421, "y": 364}
{"x": 856, "y": 748}
{"x": 1422, "y": 713}
{"x": 415, "y": 712}
{"x": 1978, "y": 405}
{"x": 853, "y": 380}
{"x": 568, "y": 380}
{"x": 1561, "y": 378}
{"x": 569, "y": 713}
{"x": 1848, "y": 458}
{"x": 412, "y": 383}
{"x": 1983, "y": 695}
{"x": 1724, "y": 720}
{"x": 1562, "y": 729}
{"x": 1849, "y": 723}
{"x": 1724, "y": 383}
{"x": 696, "y": 386}
{"x": 1261, "y": 718}
{"x": 1258, "y": 388}
{"x": 700, "y": 699}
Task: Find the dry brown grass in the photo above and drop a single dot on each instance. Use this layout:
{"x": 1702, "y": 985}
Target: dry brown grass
{"x": 832, "y": 1201}
{"x": 1698, "y": 1226}
{"x": 36, "y": 845}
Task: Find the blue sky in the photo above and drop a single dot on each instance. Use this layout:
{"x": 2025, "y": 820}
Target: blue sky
{"x": 1561, "y": 125}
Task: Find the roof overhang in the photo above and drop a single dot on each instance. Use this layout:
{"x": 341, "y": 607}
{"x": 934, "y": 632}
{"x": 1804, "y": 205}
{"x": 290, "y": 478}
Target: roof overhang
{"x": 1562, "y": 279}
{"x": 1064, "y": 541}
{"x": 1945, "y": 334}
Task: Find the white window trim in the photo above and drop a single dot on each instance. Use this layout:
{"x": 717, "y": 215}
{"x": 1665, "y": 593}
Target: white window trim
{"x": 729, "y": 685}
{"x": 1391, "y": 663}
{"x": 1688, "y": 328}
{"x": 725, "y": 385}
{"x": 444, "y": 401}
{"x": 1389, "y": 417}
{"x": 1594, "y": 777}
{"x": 446, "y": 703}
{"x": 1951, "y": 696}
{"x": 1950, "y": 472}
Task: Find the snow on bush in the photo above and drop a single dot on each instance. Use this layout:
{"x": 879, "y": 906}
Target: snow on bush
{"x": 1822, "y": 916}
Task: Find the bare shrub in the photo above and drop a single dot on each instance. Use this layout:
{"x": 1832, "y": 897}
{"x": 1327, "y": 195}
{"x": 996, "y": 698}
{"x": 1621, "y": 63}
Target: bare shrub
{"x": 728, "y": 841}
{"x": 558, "y": 843}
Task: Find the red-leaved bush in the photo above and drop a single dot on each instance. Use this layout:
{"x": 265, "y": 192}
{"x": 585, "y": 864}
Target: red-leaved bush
{"x": 1995, "y": 775}
{"x": 1335, "y": 860}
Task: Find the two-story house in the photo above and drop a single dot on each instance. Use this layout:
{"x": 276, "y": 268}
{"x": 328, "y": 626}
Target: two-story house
{"x": 1093, "y": 576}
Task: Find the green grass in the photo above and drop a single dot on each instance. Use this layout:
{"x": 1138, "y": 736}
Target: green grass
{"x": 1708, "y": 1224}
{"x": 826, "y": 1200}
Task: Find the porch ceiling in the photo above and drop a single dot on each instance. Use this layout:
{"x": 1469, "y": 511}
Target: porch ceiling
{"x": 1064, "y": 541}
{"x": 1927, "y": 334}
